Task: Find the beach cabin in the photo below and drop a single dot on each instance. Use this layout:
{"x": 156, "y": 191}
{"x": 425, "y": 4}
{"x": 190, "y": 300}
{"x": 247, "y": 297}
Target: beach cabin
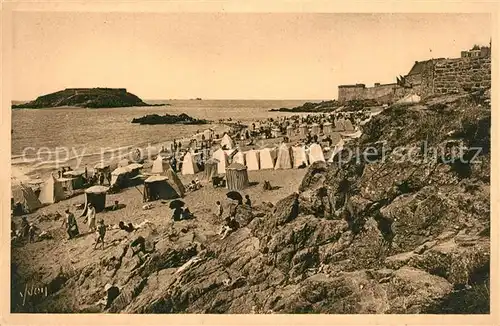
{"x": 208, "y": 133}
{"x": 51, "y": 191}
{"x": 239, "y": 157}
{"x": 78, "y": 179}
{"x": 227, "y": 142}
{"x": 252, "y": 160}
{"x": 289, "y": 131}
{"x": 120, "y": 178}
{"x": 210, "y": 169}
{"x": 303, "y": 130}
{"x": 316, "y": 154}
{"x": 237, "y": 177}
{"x": 284, "y": 158}
{"x": 157, "y": 187}
{"x": 95, "y": 195}
{"x": 189, "y": 165}
{"x": 222, "y": 160}
{"x": 315, "y": 129}
{"x": 266, "y": 158}
{"x": 299, "y": 156}
{"x": 327, "y": 128}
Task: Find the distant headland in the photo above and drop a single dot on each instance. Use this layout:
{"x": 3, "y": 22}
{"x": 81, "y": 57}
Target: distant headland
{"x": 86, "y": 98}
{"x": 155, "y": 119}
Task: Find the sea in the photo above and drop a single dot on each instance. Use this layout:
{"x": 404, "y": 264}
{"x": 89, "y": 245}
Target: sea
{"x": 44, "y": 140}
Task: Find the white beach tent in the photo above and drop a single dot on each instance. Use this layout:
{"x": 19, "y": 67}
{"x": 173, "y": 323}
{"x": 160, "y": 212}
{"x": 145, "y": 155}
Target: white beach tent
{"x": 284, "y": 159}
{"x": 340, "y": 124}
{"x": 189, "y": 165}
{"x": 266, "y": 158}
{"x": 348, "y": 125}
{"x": 222, "y": 160}
{"x": 252, "y": 160}
{"x": 227, "y": 141}
{"x": 208, "y": 133}
{"x": 316, "y": 153}
{"x": 299, "y": 156}
{"x": 239, "y": 157}
{"x": 159, "y": 166}
{"x": 51, "y": 191}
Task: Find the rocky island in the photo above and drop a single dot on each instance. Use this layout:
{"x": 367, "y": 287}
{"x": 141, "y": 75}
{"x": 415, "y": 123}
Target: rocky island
{"x": 86, "y": 98}
{"x": 167, "y": 119}
{"x": 327, "y": 106}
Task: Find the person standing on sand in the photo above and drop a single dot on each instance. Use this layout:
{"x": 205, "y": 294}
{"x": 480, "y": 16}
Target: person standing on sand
{"x": 101, "y": 178}
{"x": 101, "y": 232}
{"x": 248, "y": 202}
{"x": 218, "y": 210}
{"x": 91, "y": 218}
{"x": 71, "y": 226}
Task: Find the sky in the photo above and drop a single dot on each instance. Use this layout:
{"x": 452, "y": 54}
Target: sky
{"x": 229, "y": 55}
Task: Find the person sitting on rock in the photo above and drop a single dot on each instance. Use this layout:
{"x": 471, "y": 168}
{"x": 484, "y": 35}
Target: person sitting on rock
{"x": 230, "y": 226}
{"x": 32, "y": 231}
{"x": 176, "y": 216}
{"x": 186, "y": 214}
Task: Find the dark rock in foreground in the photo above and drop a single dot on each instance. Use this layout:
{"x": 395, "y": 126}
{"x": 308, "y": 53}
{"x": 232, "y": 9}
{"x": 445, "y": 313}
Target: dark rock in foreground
{"x": 155, "y": 119}
{"x": 85, "y": 98}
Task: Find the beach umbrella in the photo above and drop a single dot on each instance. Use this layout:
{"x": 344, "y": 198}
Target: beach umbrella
{"x": 176, "y": 204}
{"x": 234, "y": 195}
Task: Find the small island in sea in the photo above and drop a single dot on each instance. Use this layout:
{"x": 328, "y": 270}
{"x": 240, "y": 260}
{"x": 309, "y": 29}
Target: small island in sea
{"x": 86, "y": 98}
{"x": 327, "y": 106}
{"x": 155, "y": 119}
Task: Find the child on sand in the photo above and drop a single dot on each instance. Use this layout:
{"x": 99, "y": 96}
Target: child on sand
{"x": 101, "y": 232}
{"x": 90, "y": 218}
{"x": 218, "y": 210}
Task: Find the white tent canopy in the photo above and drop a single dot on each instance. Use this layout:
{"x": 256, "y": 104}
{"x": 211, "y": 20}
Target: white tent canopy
{"x": 299, "y": 156}
{"x": 284, "y": 159}
{"x": 222, "y": 160}
{"x": 316, "y": 153}
{"x": 189, "y": 165}
{"x": 227, "y": 141}
{"x": 252, "y": 160}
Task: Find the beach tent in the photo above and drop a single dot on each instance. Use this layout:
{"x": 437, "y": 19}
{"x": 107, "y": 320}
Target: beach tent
{"x": 77, "y": 177}
{"x": 175, "y": 182}
{"x": 239, "y": 157}
{"x": 210, "y": 169}
{"x": 237, "y": 177}
{"x": 327, "y": 128}
{"x": 228, "y": 142}
{"x": 289, "y": 131}
{"x": 410, "y": 98}
{"x": 208, "y": 133}
{"x": 26, "y": 197}
{"x": 337, "y": 149}
{"x": 157, "y": 187}
{"x": 67, "y": 186}
{"x": 160, "y": 166}
{"x": 51, "y": 191}
{"x": 252, "y": 160}
{"x": 222, "y": 160}
{"x": 315, "y": 129}
{"x": 266, "y": 159}
{"x": 95, "y": 195}
{"x": 348, "y": 125}
{"x": 316, "y": 153}
{"x": 284, "y": 159}
{"x": 299, "y": 156}
{"x": 189, "y": 165}
{"x": 303, "y": 130}
{"x": 120, "y": 177}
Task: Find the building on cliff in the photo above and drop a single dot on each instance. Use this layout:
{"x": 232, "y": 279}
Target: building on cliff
{"x": 470, "y": 72}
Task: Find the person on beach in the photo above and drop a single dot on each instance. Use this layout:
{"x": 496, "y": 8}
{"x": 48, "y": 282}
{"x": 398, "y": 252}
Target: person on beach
{"x": 186, "y": 214}
{"x": 129, "y": 228}
{"x": 230, "y": 226}
{"x": 101, "y": 232}
{"x": 31, "y": 232}
{"x": 59, "y": 173}
{"x": 116, "y": 205}
{"x": 101, "y": 178}
{"x": 25, "y": 226}
{"x": 90, "y": 219}
{"x": 218, "y": 210}
{"x": 86, "y": 173}
{"x": 176, "y": 216}
{"x": 71, "y": 225}
{"x": 248, "y": 202}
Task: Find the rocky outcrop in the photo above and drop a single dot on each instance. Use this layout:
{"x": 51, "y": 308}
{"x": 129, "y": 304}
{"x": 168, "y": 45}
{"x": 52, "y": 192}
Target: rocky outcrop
{"x": 155, "y": 119}
{"x": 364, "y": 236}
{"x": 86, "y": 98}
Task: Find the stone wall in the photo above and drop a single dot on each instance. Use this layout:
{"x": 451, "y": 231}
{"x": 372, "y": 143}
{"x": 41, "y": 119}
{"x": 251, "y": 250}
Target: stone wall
{"x": 385, "y": 93}
{"x": 351, "y": 92}
{"x": 461, "y": 75}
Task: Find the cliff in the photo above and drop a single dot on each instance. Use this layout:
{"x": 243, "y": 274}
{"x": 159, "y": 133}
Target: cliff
{"x": 379, "y": 236}
{"x": 86, "y": 98}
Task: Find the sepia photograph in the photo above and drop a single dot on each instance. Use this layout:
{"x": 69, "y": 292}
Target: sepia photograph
{"x": 250, "y": 162}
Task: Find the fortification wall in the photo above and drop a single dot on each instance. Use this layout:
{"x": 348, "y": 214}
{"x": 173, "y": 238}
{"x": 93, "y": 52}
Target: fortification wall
{"x": 351, "y": 92}
{"x": 462, "y": 75}
{"x": 381, "y": 93}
